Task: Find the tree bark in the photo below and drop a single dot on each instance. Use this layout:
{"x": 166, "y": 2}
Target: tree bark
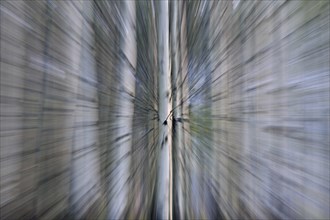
{"x": 177, "y": 135}
{"x": 164, "y": 108}
{"x": 119, "y": 198}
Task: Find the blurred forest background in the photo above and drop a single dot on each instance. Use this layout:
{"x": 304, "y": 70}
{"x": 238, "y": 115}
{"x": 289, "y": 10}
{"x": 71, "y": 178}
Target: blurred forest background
{"x": 164, "y": 109}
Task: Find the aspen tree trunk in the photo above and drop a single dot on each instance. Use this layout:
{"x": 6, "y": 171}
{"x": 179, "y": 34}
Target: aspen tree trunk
{"x": 184, "y": 108}
{"x": 119, "y": 198}
{"x": 153, "y": 137}
{"x": 84, "y": 191}
{"x": 105, "y": 68}
{"x": 164, "y": 108}
{"x": 177, "y": 111}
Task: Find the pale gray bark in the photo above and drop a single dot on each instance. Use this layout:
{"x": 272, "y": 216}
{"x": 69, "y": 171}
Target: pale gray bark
{"x": 183, "y": 95}
{"x": 164, "y": 182}
{"x": 119, "y": 198}
{"x": 177, "y": 130}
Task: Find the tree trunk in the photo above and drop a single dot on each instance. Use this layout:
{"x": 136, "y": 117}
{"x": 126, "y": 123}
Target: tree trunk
{"x": 177, "y": 130}
{"x": 184, "y": 107}
{"x": 164, "y": 108}
{"x": 123, "y": 134}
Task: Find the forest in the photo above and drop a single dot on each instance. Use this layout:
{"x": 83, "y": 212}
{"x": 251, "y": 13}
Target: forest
{"x": 157, "y": 109}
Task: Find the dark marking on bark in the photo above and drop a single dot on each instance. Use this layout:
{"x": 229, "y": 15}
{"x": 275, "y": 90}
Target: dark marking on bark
{"x": 121, "y": 137}
{"x": 165, "y": 122}
{"x": 178, "y": 120}
{"x": 174, "y": 89}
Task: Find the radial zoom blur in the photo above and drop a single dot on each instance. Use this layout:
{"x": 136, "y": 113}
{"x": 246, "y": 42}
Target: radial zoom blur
{"x": 165, "y": 109}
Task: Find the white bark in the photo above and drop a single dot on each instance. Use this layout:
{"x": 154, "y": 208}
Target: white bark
{"x": 164, "y": 172}
{"x": 184, "y": 126}
{"x": 119, "y": 198}
{"x": 177, "y": 110}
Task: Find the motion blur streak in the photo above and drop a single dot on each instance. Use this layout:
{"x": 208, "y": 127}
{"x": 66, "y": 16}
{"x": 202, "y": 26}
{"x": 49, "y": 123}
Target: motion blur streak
{"x": 165, "y": 109}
